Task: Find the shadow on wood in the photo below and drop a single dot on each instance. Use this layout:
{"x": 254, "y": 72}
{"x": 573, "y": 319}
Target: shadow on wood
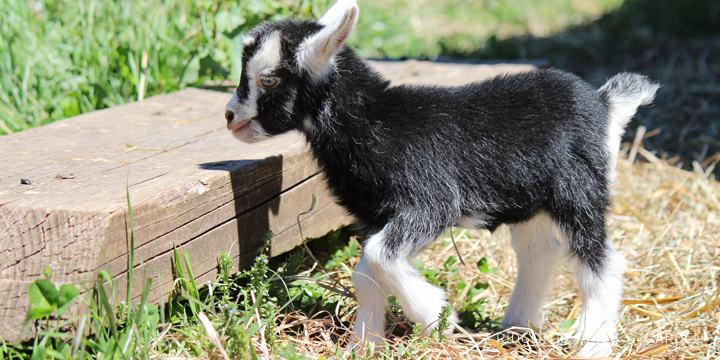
{"x": 251, "y": 223}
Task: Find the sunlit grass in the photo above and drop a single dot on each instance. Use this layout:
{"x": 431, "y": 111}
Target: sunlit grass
{"x": 423, "y": 28}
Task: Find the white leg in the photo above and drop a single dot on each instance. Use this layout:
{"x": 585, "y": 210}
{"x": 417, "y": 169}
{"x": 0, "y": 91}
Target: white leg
{"x": 538, "y": 255}
{"x": 371, "y": 295}
{"x": 600, "y": 292}
{"x": 421, "y": 301}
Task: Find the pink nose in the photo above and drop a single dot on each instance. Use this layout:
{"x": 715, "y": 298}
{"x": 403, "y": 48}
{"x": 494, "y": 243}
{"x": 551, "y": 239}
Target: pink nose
{"x": 229, "y": 115}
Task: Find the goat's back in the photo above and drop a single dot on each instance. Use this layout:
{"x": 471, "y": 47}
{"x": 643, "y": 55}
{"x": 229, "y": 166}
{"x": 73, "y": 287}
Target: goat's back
{"x": 501, "y": 147}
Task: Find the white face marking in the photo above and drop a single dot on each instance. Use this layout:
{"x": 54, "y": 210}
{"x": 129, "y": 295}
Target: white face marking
{"x": 251, "y": 133}
{"x": 266, "y": 58}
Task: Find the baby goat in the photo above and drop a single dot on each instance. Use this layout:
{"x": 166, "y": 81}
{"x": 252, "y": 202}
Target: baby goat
{"x": 536, "y": 151}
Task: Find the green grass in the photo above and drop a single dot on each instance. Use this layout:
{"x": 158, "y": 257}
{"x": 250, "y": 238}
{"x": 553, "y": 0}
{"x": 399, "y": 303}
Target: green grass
{"x": 238, "y": 314}
{"x": 60, "y": 59}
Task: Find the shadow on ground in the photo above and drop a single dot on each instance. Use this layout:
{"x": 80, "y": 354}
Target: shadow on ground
{"x": 674, "y": 42}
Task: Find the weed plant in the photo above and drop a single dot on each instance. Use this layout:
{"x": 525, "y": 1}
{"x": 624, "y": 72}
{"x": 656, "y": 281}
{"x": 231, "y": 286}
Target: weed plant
{"x": 247, "y": 310}
{"x": 240, "y": 305}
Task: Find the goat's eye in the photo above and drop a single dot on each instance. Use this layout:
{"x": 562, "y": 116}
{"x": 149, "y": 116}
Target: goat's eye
{"x": 269, "y": 82}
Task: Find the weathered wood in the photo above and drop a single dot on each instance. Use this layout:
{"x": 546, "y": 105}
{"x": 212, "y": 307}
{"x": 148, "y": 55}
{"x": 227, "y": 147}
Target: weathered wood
{"x": 191, "y": 184}
{"x": 426, "y": 72}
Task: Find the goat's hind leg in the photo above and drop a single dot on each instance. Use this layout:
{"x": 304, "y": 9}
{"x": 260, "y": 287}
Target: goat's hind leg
{"x": 599, "y": 271}
{"x": 600, "y": 289}
{"x": 538, "y": 255}
{"x": 421, "y": 301}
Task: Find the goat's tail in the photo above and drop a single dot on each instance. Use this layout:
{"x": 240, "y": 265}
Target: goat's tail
{"x": 624, "y": 92}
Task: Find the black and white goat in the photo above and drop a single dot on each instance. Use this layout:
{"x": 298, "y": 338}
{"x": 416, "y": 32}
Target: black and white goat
{"x": 536, "y": 151}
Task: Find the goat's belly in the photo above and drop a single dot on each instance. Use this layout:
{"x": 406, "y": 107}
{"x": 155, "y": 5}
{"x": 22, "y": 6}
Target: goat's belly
{"x": 492, "y": 220}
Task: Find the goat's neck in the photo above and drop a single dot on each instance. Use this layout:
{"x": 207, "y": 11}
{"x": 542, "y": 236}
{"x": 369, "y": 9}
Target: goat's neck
{"x": 353, "y": 99}
{"x": 350, "y": 135}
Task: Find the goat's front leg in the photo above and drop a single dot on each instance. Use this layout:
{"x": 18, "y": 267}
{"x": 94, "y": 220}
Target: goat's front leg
{"x": 371, "y": 294}
{"x": 390, "y": 259}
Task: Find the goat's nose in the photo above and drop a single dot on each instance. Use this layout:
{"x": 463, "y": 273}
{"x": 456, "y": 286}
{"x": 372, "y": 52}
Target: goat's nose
{"x": 229, "y": 115}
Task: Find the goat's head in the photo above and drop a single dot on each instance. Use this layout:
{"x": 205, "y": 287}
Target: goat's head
{"x": 279, "y": 58}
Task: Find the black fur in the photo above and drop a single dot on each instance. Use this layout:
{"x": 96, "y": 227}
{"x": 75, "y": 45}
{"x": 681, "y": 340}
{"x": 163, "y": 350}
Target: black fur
{"x": 504, "y": 149}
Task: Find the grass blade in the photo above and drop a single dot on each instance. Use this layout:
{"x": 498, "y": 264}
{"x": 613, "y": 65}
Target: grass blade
{"x": 131, "y": 253}
{"x": 104, "y": 303}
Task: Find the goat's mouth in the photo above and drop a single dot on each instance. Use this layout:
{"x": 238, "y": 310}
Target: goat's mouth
{"x": 237, "y": 125}
{"x": 242, "y": 130}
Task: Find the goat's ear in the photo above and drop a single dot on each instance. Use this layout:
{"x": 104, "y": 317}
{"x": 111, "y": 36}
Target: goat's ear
{"x": 316, "y": 52}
